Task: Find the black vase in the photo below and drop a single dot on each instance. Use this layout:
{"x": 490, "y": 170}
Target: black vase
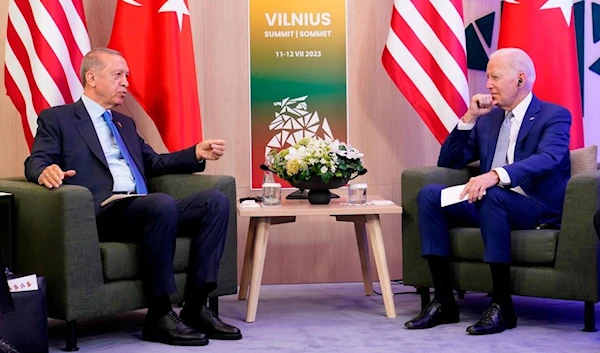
{"x": 318, "y": 191}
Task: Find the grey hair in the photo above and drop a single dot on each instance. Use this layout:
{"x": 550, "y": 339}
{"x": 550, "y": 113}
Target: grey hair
{"x": 519, "y": 61}
{"x": 93, "y": 62}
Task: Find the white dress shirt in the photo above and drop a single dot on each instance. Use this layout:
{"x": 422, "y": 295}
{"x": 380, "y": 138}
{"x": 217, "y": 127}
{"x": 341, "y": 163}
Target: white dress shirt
{"x": 121, "y": 173}
{"x": 517, "y": 120}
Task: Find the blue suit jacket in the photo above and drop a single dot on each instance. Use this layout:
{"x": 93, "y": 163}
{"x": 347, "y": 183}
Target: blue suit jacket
{"x": 66, "y": 136}
{"x": 541, "y": 168}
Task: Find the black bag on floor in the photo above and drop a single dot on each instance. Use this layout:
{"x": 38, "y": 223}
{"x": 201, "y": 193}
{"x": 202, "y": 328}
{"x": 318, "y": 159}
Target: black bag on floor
{"x": 26, "y": 327}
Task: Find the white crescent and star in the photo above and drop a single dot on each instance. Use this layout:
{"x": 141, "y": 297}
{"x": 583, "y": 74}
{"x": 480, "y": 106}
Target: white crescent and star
{"x": 566, "y": 6}
{"x": 177, "y": 6}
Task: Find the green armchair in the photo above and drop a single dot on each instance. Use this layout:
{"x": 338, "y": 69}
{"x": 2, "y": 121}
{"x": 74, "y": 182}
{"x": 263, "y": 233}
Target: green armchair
{"x": 560, "y": 264}
{"x": 56, "y": 237}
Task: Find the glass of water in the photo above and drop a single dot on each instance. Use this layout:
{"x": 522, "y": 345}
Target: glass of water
{"x": 271, "y": 193}
{"x": 357, "y": 194}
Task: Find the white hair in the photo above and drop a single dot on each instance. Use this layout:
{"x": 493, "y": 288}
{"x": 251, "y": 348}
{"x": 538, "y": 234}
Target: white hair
{"x": 519, "y": 61}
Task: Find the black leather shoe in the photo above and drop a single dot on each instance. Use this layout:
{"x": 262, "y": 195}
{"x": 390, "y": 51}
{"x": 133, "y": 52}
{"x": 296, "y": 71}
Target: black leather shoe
{"x": 6, "y": 347}
{"x": 207, "y": 321}
{"x": 434, "y": 314}
{"x": 170, "y": 329}
{"x": 495, "y": 320}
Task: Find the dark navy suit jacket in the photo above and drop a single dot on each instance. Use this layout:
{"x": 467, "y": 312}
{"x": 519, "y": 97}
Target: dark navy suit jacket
{"x": 541, "y": 167}
{"x": 66, "y": 136}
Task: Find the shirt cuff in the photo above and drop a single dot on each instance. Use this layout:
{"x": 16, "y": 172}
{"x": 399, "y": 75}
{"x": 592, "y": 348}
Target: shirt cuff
{"x": 465, "y": 126}
{"x": 503, "y": 175}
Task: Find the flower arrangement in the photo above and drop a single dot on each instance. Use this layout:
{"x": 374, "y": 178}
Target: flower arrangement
{"x": 313, "y": 156}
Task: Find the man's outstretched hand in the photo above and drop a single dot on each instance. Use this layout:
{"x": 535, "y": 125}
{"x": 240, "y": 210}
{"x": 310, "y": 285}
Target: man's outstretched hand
{"x": 210, "y": 150}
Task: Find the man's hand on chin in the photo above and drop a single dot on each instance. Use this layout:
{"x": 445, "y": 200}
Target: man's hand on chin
{"x": 476, "y": 186}
{"x": 211, "y": 150}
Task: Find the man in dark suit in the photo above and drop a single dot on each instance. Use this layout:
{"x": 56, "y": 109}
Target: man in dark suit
{"x": 522, "y": 144}
{"x": 89, "y": 144}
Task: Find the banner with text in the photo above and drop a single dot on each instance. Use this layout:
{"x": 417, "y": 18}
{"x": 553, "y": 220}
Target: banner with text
{"x": 298, "y": 83}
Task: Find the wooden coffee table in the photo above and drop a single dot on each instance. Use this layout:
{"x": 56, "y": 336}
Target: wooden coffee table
{"x": 261, "y": 219}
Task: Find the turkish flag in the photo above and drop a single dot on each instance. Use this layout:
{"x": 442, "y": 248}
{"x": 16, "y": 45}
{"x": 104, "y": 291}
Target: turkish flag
{"x": 545, "y": 29}
{"x": 155, "y": 38}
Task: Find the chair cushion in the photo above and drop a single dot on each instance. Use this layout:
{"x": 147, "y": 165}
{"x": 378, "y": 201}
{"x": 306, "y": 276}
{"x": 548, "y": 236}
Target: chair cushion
{"x": 584, "y": 160}
{"x": 120, "y": 260}
{"x": 533, "y": 247}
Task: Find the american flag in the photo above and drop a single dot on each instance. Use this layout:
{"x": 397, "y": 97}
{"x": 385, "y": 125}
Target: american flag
{"x": 425, "y": 55}
{"x": 45, "y": 43}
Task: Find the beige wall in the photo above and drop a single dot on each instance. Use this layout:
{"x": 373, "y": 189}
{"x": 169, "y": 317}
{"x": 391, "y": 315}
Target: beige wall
{"x": 382, "y": 125}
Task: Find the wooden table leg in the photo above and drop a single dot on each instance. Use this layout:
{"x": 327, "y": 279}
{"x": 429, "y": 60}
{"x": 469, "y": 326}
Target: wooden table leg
{"x": 376, "y": 238}
{"x": 363, "y": 253}
{"x": 258, "y": 264}
{"x": 247, "y": 266}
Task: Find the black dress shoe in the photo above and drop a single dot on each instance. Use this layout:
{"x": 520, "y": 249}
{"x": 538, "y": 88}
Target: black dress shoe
{"x": 170, "y": 329}
{"x": 435, "y": 314}
{"x": 207, "y": 321}
{"x": 495, "y": 320}
{"x": 6, "y": 347}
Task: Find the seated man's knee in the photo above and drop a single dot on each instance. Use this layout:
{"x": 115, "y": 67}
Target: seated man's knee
{"x": 218, "y": 201}
{"x": 494, "y": 195}
{"x": 160, "y": 205}
{"x": 430, "y": 194}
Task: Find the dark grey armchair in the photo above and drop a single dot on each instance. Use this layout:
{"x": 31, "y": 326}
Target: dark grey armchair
{"x": 560, "y": 264}
{"x": 56, "y": 237}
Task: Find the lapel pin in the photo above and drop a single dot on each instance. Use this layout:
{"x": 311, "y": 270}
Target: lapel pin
{"x": 121, "y": 126}
{"x": 530, "y": 119}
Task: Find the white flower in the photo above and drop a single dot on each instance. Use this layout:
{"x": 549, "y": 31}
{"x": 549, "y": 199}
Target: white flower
{"x": 317, "y": 157}
{"x": 335, "y": 146}
{"x": 292, "y": 154}
{"x": 354, "y": 154}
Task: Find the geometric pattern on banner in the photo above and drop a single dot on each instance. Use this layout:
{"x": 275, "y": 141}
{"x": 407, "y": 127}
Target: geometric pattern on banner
{"x": 294, "y": 122}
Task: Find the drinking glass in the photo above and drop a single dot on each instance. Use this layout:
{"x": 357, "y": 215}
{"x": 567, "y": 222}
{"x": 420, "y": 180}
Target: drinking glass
{"x": 357, "y": 194}
{"x": 271, "y": 193}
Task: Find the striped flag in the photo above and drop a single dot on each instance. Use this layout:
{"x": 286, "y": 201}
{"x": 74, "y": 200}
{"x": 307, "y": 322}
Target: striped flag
{"x": 425, "y": 55}
{"x": 45, "y": 43}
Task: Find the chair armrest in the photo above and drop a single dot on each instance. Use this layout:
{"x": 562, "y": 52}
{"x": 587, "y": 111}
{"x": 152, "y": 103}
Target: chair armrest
{"x": 182, "y": 185}
{"x": 415, "y": 268}
{"x": 56, "y": 237}
{"x": 577, "y": 248}
{"x": 413, "y": 180}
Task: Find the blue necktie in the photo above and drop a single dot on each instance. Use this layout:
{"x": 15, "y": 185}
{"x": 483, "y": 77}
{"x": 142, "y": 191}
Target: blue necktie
{"x": 500, "y": 156}
{"x": 140, "y": 184}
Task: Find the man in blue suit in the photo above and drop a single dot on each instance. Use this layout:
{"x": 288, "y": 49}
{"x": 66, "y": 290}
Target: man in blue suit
{"x": 89, "y": 144}
{"x": 522, "y": 144}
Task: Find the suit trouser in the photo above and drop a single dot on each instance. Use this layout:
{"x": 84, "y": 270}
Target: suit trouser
{"x": 497, "y": 213}
{"x": 155, "y": 221}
